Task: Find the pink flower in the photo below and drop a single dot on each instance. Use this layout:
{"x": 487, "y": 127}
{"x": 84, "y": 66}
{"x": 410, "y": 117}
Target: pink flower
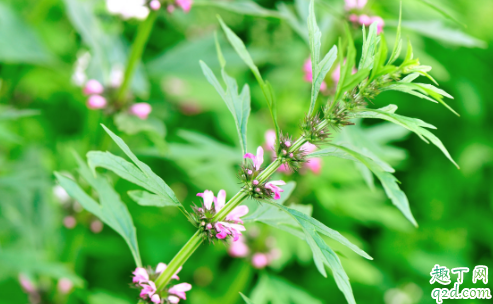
{"x": 140, "y": 275}
{"x": 365, "y": 20}
{"x": 260, "y": 260}
{"x": 148, "y": 289}
{"x": 155, "y": 298}
{"x": 96, "y": 102}
{"x": 180, "y": 289}
{"x": 93, "y": 87}
{"x": 208, "y": 197}
{"x": 353, "y": 18}
{"x": 186, "y": 5}
{"x": 96, "y": 226}
{"x": 155, "y": 5}
{"x": 162, "y": 267}
{"x": 380, "y": 23}
{"x": 65, "y": 285}
{"x": 239, "y": 249}
{"x": 314, "y": 164}
{"x": 141, "y": 110}
{"x": 273, "y": 186}
{"x": 224, "y": 229}
{"x": 69, "y": 222}
{"x": 270, "y": 140}
{"x": 236, "y": 213}
{"x": 355, "y": 4}
{"x": 26, "y": 284}
{"x": 258, "y": 159}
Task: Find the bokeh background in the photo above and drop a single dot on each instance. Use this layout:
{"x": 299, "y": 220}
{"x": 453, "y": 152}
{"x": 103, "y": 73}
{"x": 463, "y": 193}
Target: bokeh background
{"x": 48, "y": 48}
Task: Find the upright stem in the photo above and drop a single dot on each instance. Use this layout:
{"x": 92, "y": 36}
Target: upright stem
{"x": 182, "y": 256}
{"x": 136, "y": 51}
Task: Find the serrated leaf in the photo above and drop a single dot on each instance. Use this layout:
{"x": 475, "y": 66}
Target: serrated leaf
{"x": 110, "y": 209}
{"x": 370, "y": 43}
{"x": 238, "y": 104}
{"x": 246, "y": 299}
{"x": 413, "y": 124}
{"x": 276, "y": 290}
{"x": 241, "y": 50}
{"x": 139, "y": 173}
{"x": 241, "y": 7}
{"x": 421, "y": 90}
{"x": 437, "y": 30}
{"x": 389, "y": 182}
{"x": 145, "y": 198}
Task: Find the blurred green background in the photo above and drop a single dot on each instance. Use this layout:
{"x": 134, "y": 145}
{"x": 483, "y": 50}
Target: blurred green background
{"x": 44, "y": 119}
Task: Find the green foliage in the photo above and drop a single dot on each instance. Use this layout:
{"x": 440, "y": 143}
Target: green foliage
{"x": 276, "y": 290}
{"x": 415, "y": 125}
{"x": 382, "y": 172}
{"x": 139, "y": 173}
{"x": 319, "y": 68}
{"x": 266, "y": 87}
{"x": 238, "y": 104}
{"x": 110, "y": 209}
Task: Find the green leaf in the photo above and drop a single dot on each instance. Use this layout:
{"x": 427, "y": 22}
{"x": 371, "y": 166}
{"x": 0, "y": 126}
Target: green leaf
{"x": 241, "y": 7}
{"x": 370, "y": 43}
{"x": 19, "y": 43}
{"x": 246, "y": 299}
{"x": 442, "y": 11}
{"x": 238, "y": 104}
{"x": 145, "y": 198}
{"x": 421, "y": 90}
{"x": 398, "y": 42}
{"x": 389, "y": 182}
{"x": 10, "y": 113}
{"x": 413, "y": 124}
{"x": 241, "y": 50}
{"x": 276, "y": 290}
{"x": 111, "y": 210}
{"x": 437, "y": 30}
{"x": 319, "y": 68}
{"x": 131, "y": 124}
{"x": 139, "y": 173}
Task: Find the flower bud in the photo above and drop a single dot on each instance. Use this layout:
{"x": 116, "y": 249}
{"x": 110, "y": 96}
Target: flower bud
{"x": 69, "y": 222}
{"x": 284, "y": 152}
{"x": 96, "y": 102}
{"x": 260, "y": 260}
{"x": 93, "y": 87}
{"x": 291, "y": 155}
{"x": 96, "y": 226}
{"x": 209, "y": 226}
{"x": 64, "y": 285}
{"x": 155, "y": 5}
{"x": 250, "y": 172}
{"x": 287, "y": 143}
{"x": 257, "y": 189}
{"x": 141, "y": 110}
{"x": 255, "y": 182}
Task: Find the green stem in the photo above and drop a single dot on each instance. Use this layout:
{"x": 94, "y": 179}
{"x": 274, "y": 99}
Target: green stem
{"x": 138, "y": 46}
{"x": 182, "y": 256}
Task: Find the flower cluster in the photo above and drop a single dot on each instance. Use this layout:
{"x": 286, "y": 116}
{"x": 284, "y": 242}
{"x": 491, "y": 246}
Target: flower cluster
{"x": 313, "y": 164}
{"x": 232, "y": 225}
{"x": 144, "y": 280}
{"x": 356, "y": 6}
{"x": 249, "y": 175}
{"x": 246, "y": 247}
{"x": 313, "y": 131}
{"x": 94, "y": 89}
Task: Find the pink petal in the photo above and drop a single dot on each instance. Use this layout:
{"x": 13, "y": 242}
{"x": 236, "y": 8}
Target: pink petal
{"x": 208, "y": 197}
{"x": 96, "y": 102}
{"x": 307, "y": 67}
{"x": 140, "y": 275}
{"x": 353, "y": 18}
{"x": 308, "y": 147}
{"x": 238, "y": 249}
{"x": 314, "y": 164}
{"x": 93, "y": 87}
{"x": 173, "y": 299}
{"x": 278, "y": 182}
{"x": 155, "y": 5}
{"x": 361, "y": 3}
{"x": 259, "y": 158}
{"x": 141, "y": 110}
{"x": 364, "y": 20}
{"x": 270, "y": 139}
{"x": 221, "y": 200}
{"x": 236, "y": 213}
{"x": 155, "y": 298}
{"x": 161, "y": 267}
{"x": 260, "y": 260}
{"x": 250, "y": 156}
{"x": 350, "y": 4}
{"x": 186, "y": 5}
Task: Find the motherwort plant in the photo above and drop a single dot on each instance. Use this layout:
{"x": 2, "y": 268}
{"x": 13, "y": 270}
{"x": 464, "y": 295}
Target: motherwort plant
{"x": 217, "y": 218}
